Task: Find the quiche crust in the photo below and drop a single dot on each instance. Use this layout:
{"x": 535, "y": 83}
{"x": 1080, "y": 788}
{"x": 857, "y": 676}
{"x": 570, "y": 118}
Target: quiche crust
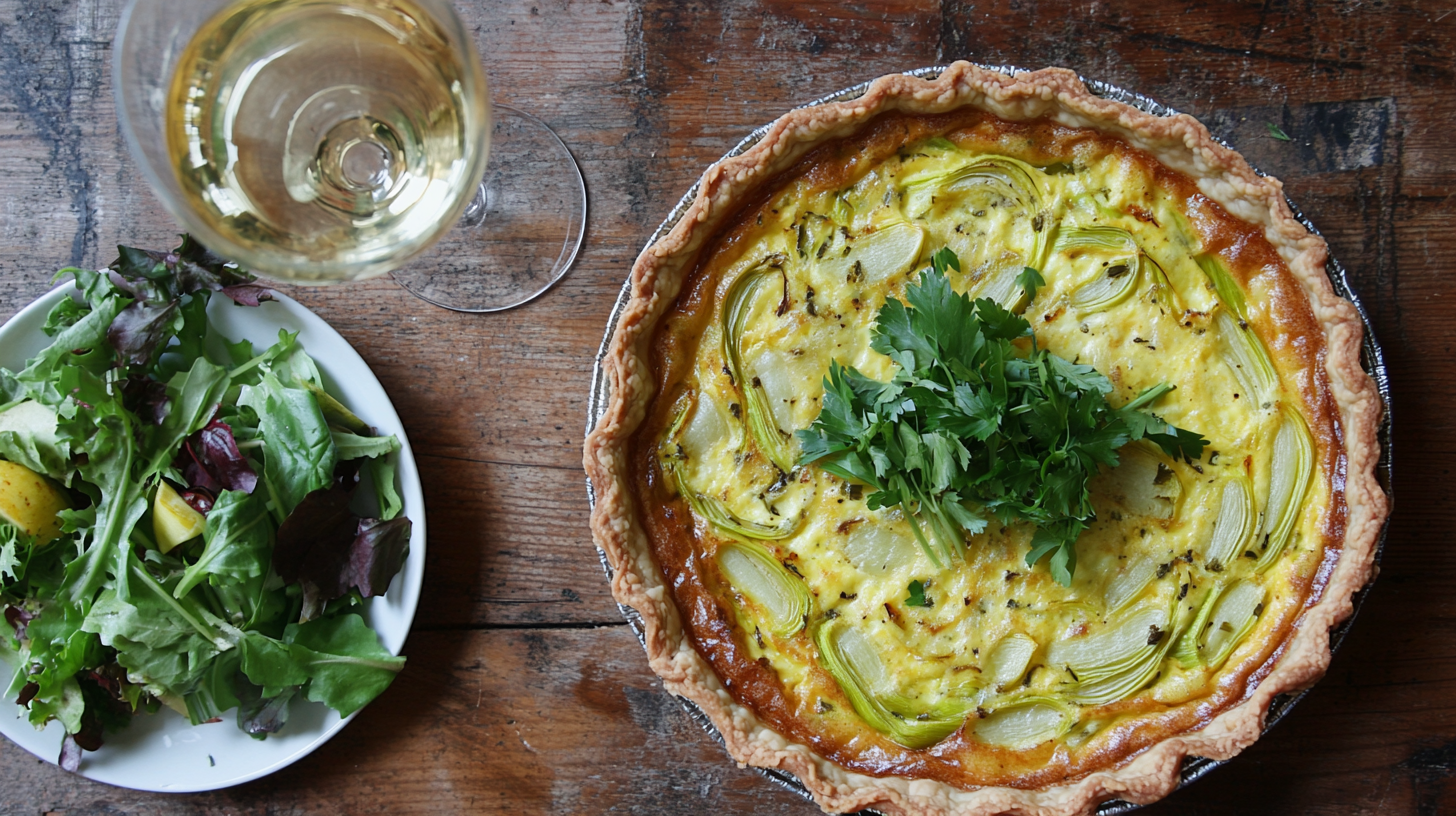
{"x": 1180, "y": 143}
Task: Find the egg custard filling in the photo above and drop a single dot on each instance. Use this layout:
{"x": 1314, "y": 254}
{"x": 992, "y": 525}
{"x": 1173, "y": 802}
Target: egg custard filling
{"x": 934, "y": 636}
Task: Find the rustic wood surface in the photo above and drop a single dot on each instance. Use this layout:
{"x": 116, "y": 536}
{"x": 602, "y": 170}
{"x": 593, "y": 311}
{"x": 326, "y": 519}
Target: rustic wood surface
{"x": 524, "y": 692}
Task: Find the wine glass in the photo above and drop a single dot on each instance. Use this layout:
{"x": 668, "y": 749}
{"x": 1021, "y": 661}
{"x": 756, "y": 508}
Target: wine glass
{"x": 317, "y": 141}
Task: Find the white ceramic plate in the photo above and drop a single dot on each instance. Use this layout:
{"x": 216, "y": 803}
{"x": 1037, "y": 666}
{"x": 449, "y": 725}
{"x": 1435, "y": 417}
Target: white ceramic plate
{"x": 163, "y": 752}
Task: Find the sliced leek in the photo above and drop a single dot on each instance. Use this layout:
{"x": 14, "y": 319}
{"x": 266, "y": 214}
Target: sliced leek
{"x": 1290, "y": 469}
{"x": 818, "y": 236}
{"x": 673, "y": 456}
{"x": 1003, "y": 287}
{"x": 1229, "y": 293}
{"x": 1234, "y": 525}
{"x": 849, "y": 656}
{"x": 1231, "y": 621}
{"x": 1246, "y": 355}
{"x": 1112, "y": 286}
{"x": 1161, "y": 292}
{"x": 875, "y": 256}
{"x": 1187, "y": 653}
{"x": 997, "y": 176}
{"x": 1118, "y": 662}
{"x": 1114, "y": 649}
{"x": 781, "y": 597}
{"x": 1129, "y": 583}
{"x": 1009, "y": 659}
{"x": 763, "y": 429}
{"x": 1144, "y": 483}
{"x": 1026, "y": 723}
{"x": 1118, "y": 277}
{"x": 1107, "y": 239}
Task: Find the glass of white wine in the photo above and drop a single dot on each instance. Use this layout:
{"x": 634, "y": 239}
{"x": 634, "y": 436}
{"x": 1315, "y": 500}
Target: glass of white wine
{"x": 316, "y": 141}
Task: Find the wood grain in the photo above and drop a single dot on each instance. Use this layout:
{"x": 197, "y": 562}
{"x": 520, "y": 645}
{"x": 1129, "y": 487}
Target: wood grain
{"x": 524, "y": 692}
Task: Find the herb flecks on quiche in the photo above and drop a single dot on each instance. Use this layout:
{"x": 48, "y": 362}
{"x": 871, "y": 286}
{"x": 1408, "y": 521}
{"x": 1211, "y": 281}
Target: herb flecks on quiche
{"x": 989, "y": 452}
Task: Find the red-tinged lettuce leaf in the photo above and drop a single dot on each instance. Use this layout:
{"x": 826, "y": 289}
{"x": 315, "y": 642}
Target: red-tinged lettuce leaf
{"x": 159, "y": 284}
{"x": 260, "y": 716}
{"x": 188, "y": 269}
{"x": 377, "y": 554}
{"x": 328, "y": 550}
{"x": 141, "y": 330}
{"x": 210, "y": 461}
{"x": 249, "y": 294}
{"x": 106, "y": 711}
{"x": 313, "y": 542}
{"x": 18, "y": 617}
{"x": 146, "y": 397}
{"x": 70, "y": 758}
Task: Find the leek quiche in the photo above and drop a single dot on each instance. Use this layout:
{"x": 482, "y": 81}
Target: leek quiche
{"x": 819, "y": 478}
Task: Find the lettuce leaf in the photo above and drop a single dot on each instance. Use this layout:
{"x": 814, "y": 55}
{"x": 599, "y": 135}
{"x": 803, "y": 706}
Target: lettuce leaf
{"x": 298, "y": 451}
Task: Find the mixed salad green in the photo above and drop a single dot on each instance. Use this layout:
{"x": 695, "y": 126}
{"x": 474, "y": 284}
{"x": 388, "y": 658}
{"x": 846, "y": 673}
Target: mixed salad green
{"x": 208, "y": 553}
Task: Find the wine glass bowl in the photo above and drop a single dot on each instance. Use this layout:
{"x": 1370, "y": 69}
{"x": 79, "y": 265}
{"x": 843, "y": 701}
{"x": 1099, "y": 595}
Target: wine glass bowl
{"x": 310, "y": 140}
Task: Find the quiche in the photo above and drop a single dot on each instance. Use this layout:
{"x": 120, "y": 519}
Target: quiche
{"x": 900, "y": 645}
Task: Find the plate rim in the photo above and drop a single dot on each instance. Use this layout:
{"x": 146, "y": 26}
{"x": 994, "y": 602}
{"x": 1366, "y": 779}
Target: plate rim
{"x": 409, "y": 588}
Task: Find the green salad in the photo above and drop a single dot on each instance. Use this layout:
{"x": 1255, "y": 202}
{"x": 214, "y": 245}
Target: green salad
{"x": 181, "y": 516}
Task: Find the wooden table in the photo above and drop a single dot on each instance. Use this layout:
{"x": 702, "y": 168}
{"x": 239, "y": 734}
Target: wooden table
{"x": 524, "y": 692}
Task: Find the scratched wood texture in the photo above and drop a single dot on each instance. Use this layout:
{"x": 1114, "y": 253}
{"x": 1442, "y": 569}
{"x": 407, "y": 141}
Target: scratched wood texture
{"x": 524, "y": 692}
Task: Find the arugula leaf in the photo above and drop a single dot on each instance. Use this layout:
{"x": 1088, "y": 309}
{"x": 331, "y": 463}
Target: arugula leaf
{"x": 238, "y": 541}
{"x": 57, "y": 650}
{"x": 338, "y": 660}
{"x": 192, "y": 399}
{"x": 973, "y": 421}
{"x": 213, "y": 692}
{"x": 95, "y": 423}
{"x": 82, "y": 344}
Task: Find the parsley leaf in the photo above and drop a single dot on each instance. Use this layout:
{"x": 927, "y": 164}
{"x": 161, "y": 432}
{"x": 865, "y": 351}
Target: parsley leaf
{"x": 945, "y": 258}
{"x": 917, "y": 595}
{"x": 978, "y": 424}
{"x": 1030, "y": 280}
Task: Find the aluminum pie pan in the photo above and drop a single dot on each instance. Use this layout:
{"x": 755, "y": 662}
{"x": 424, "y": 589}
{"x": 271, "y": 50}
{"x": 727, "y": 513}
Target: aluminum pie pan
{"x": 1372, "y": 358}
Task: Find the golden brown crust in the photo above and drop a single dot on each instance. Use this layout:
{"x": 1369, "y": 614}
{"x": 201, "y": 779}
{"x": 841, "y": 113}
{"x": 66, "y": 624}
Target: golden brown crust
{"x": 1179, "y": 142}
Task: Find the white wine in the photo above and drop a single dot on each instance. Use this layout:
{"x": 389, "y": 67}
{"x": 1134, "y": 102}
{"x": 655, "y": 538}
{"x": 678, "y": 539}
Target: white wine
{"x": 327, "y": 139}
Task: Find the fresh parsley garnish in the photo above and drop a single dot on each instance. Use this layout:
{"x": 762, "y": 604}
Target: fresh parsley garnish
{"x": 1030, "y": 280}
{"x": 978, "y": 422}
{"x": 1277, "y": 132}
{"x": 917, "y": 595}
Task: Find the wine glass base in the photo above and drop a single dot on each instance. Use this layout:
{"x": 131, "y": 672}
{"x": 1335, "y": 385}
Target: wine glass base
{"x": 521, "y": 233}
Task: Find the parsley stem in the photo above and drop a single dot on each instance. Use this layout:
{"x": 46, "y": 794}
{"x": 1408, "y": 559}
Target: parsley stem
{"x": 919, "y": 535}
{"x": 1149, "y": 396}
